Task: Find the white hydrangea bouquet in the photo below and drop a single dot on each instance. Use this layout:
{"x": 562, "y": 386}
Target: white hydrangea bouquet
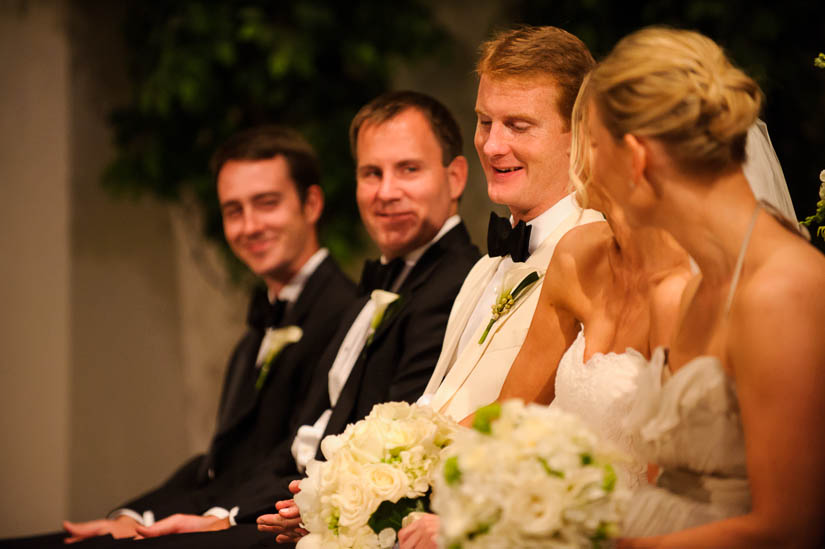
{"x": 376, "y": 472}
{"x": 527, "y": 476}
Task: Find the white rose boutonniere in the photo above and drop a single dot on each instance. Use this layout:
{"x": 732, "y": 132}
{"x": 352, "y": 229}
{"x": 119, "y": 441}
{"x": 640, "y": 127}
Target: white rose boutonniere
{"x": 273, "y": 343}
{"x": 517, "y": 279}
{"x": 382, "y": 300}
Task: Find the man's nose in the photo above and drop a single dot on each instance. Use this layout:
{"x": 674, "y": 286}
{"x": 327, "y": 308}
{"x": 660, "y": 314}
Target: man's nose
{"x": 495, "y": 142}
{"x": 388, "y": 188}
{"x": 251, "y": 221}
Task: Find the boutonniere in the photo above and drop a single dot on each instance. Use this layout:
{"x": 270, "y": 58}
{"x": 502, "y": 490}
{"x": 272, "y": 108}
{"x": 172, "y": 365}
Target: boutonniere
{"x": 382, "y": 300}
{"x": 514, "y": 283}
{"x": 273, "y": 343}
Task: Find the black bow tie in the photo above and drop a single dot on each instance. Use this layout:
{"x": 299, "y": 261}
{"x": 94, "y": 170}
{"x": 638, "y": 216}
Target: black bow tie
{"x": 378, "y": 276}
{"x": 263, "y": 314}
{"x": 503, "y": 239}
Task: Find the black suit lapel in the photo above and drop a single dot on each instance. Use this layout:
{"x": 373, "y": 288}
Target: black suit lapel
{"x": 245, "y": 397}
{"x": 420, "y": 274}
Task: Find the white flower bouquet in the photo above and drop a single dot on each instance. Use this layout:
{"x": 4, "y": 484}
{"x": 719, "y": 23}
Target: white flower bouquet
{"x": 376, "y": 472}
{"x": 527, "y": 476}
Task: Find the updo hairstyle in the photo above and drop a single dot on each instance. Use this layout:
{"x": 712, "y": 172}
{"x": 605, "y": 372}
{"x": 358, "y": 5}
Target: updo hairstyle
{"x": 678, "y": 87}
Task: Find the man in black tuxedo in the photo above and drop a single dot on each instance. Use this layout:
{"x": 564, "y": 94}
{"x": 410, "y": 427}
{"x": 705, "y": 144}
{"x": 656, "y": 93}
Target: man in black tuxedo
{"x": 271, "y": 201}
{"x": 410, "y": 174}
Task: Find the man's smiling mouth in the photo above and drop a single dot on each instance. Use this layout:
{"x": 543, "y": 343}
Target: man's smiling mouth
{"x": 507, "y": 170}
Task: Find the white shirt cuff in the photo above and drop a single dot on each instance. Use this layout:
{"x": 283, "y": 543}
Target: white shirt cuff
{"x": 146, "y": 519}
{"x": 221, "y": 513}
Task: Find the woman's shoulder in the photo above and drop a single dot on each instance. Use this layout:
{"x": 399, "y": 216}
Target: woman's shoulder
{"x": 582, "y": 244}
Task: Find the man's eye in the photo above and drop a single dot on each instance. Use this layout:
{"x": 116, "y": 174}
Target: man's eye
{"x": 518, "y": 126}
{"x": 485, "y": 123}
{"x": 268, "y": 203}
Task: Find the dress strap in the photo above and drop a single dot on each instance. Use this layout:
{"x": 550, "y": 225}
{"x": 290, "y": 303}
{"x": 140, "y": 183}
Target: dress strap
{"x": 740, "y": 261}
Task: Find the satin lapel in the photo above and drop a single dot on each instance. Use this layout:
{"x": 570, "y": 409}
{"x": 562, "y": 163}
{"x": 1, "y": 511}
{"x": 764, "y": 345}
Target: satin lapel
{"x": 471, "y": 291}
{"x": 420, "y": 275}
{"x": 472, "y": 353}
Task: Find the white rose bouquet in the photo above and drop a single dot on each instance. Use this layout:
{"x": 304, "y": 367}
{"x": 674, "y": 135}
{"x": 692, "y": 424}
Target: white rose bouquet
{"x": 376, "y": 472}
{"x": 527, "y": 476}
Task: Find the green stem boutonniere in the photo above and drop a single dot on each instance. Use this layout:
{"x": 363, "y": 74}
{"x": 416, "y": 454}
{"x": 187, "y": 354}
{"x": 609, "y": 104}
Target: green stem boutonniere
{"x": 273, "y": 343}
{"x": 509, "y": 295}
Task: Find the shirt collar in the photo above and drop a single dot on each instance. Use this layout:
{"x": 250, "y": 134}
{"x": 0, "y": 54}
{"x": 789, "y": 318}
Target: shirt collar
{"x": 549, "y": 220}
{"x": 293, "y": 288}
{"x": 412, "y": 258}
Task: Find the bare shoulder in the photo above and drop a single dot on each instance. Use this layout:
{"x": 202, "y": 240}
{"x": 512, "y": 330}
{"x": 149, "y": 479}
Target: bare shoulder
{"x": 778, "y": 314}
{"x": 575, "y": 259}
{"x": 791, "y": 276}
{"x": 581, "y": 246}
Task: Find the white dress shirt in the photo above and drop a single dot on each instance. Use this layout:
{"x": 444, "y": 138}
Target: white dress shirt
{"x": 308, "y": 438}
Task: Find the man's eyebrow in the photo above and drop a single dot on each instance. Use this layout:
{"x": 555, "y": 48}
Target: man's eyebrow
{"x": 267, "y": 194}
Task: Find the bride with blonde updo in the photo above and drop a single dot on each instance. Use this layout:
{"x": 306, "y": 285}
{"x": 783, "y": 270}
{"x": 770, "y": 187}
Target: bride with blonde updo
{"x": 733, "y": 413}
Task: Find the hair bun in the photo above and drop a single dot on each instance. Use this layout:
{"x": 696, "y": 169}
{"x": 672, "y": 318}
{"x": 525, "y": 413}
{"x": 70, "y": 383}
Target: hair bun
{"x": 679, "y": 86}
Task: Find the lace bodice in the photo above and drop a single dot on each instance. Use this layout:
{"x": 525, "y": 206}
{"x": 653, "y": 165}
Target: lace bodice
{"x": 601, "y": 391}
{"x": 689, "y": 423}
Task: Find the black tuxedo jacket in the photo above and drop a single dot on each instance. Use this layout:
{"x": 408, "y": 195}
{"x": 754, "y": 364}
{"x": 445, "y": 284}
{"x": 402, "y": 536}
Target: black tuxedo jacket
{"x": 395, "y": 366}
{"x": 250, "y": 425}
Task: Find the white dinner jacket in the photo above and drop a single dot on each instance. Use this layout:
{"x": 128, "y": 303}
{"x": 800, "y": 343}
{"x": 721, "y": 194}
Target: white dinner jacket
{"x": 474, "y": 378}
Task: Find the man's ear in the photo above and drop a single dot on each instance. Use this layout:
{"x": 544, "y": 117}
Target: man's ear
{"x": 313, "y": 203}
{"x": 457, "y": 176}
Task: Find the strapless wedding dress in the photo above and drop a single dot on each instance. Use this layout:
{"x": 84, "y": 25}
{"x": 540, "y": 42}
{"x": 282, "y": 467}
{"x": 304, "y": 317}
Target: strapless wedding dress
{"x": 689, "y": 424}
{"x": 601, "y": 392}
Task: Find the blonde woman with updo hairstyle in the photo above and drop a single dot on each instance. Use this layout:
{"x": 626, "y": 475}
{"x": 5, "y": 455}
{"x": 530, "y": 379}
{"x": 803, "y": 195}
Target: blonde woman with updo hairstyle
{"x": 733, "y": 413}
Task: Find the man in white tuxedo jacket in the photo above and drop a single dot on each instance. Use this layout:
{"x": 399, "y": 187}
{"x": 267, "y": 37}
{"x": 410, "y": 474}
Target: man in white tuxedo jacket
{"x": 529, "y": 79}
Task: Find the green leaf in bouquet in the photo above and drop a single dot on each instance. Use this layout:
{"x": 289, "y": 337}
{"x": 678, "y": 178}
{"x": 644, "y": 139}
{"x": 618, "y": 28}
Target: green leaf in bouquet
{"x": 452, "y": 473}
{"x": 609, "y": 480}
{"x": 333, "y": 522}
{"x": 604, "y": 532}
{"x": 587, "y": 459}
{"x": 549, "y": 470}
{"x": 485, "y": 417}
{"x": 390, "y": 515}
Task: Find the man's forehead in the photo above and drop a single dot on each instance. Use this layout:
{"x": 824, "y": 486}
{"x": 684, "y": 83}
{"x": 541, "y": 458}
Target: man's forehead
{"x": 407, "y": 131}
{"x": 521, "y": 83}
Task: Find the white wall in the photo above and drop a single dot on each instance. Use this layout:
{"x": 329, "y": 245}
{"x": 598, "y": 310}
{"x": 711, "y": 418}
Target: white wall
{"x": 34, "y": 267}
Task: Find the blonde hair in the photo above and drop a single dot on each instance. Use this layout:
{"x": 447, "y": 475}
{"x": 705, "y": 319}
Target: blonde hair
{"x": 579, "y": 170}
{"x": 679, "y": 87}
{"x": 536, "y": 52}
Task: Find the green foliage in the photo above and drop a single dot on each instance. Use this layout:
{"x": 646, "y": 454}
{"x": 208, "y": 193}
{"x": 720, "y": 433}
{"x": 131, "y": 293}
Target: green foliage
{"x": 485, "y": 416}
{"x": 390, "y": 515}
{"x": 202, "y": 69}
{"x": 452, "y": 473}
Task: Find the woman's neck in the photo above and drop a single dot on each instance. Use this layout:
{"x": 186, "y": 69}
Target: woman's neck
{"x": 643, "y": 253}
{"x": 709, "y": 219}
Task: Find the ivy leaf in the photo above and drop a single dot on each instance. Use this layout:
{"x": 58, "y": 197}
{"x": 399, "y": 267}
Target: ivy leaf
{"x": 390, "y": 515}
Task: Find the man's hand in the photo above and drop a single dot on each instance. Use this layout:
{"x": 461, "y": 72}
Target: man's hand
{"x": 286, "y": 524}
{"x": 181, "y": 524}
{"x": 421, "y": 534}
{"x": 121, "y": 527}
